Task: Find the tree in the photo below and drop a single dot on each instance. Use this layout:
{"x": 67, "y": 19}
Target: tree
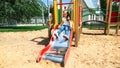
{"x": 103, "y": 5}
{"x": 19, "y": 10}
{"x": 51, "y": 11}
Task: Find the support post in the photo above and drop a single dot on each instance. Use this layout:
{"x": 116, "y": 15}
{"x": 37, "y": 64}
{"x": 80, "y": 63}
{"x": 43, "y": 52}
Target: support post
{"x": 61, "y": 10}
{"x": 109, "y": 18}
{"x": 106, "y": 17}
{"x": 55, "y": 13}
{"x": 80, "y": 18}
{"x": 118, "y": 21}
{"x": 76, "y": 21}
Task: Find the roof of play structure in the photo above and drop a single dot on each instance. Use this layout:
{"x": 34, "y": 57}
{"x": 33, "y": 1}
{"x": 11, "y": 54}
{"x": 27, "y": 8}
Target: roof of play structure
{"x": 92, "y": 3}
{"x": 89, "y": 3}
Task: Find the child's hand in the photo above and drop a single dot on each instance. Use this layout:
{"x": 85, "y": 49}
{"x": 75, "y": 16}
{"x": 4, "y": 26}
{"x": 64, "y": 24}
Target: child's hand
{"x": 59, "y": 26}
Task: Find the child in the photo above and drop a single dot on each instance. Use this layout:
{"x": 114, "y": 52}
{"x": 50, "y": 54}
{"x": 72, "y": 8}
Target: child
{"x": 50, "y": 24}
{"x": 65, "y": 25}
{"x": 65, "y": 9}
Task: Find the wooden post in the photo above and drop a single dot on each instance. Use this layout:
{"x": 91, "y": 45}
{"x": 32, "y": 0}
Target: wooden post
{"x": 107, "y": 7}
{"x": 72, "y": 17}
{"x": 118, "y": 21}
{"x": 80, "y": 18}
{"x": 76, "y": 22}
{"x": 109, "y": 18}
{"x": 72, "y": 12}
{"x": 55, "y": 13}
{"x": 61, "y": 10}
{"x": 106, "y": 17}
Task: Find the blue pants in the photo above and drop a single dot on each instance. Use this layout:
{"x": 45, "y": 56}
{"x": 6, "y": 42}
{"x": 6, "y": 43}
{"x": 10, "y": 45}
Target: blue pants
{"x": 64, "y": 27}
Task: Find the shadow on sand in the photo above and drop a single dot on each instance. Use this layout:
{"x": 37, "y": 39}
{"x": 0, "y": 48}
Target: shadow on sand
{"x": 44, "y": 41}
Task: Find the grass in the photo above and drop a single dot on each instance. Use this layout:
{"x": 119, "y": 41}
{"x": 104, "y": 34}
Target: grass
{"x": 34, "y": 28}
{"x": 21, "y": 28}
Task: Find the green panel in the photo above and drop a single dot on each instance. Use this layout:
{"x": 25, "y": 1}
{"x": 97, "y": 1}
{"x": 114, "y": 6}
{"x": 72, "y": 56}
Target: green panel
{"x": 59, "y": 16}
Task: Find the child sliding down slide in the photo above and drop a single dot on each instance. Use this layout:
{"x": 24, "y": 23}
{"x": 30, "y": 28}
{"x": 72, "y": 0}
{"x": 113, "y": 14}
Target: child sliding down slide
{"x": 65, "y": 27}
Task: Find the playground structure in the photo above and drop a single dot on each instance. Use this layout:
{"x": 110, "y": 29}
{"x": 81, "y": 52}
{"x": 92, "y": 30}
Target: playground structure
{"x": 55, "y": 50}
{"x": 59, "y": 52}
{"x": 112, "y": 17}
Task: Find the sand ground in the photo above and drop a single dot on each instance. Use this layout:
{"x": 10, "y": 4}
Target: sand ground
{"x": 95, "y": 50}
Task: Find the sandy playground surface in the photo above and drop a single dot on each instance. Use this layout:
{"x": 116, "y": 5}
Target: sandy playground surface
{"x": 95, "y": 50}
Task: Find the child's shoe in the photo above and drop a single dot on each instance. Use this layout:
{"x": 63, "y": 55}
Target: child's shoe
{"x": 56, "y": 35}
{"x": 66, "y": 37}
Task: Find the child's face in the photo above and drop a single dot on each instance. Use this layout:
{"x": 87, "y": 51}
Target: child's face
{"x": 64, "y": 14}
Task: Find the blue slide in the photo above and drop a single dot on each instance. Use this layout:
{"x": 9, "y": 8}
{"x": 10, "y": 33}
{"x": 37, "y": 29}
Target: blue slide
{"x": 60, "y": 47}
{"x": 57, "y": 50}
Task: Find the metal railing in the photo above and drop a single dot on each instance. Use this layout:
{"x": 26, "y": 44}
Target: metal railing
{"x": 36, "y": 21}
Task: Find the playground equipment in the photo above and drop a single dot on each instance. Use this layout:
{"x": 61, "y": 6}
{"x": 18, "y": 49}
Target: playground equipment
{"x": 112, "y": 17}
{"x": 76, "y": 16}
{"x": 56, "y": 50}
{"x": 94, "y": 17}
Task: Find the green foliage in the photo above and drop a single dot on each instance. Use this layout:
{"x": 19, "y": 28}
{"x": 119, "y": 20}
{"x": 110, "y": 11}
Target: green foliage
{"x": 51, "y": 9}
{"x": 103, "y": 5}
{"x": 115, "y": 6}
{"x": 19, "y": 9}
{"x": 46, "y": 11}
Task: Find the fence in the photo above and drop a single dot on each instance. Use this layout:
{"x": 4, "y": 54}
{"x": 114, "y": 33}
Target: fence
{"x": 35, "y": 21}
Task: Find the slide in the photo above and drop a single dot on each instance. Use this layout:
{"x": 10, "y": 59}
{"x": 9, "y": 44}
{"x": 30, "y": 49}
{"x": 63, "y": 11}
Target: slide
{"x": 96, "y": 14}
{"x": 92, "y": 3}
{"x": 57, "y": 50}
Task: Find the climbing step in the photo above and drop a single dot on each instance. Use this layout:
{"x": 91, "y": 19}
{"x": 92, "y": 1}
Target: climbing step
{"x": 53, "y": 57}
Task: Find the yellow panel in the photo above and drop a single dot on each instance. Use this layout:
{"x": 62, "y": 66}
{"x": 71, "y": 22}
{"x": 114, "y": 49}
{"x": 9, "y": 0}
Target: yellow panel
{"x": 55, "y": 13}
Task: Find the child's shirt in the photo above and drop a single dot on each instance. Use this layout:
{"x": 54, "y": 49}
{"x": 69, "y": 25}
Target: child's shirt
{"x": 65, "y": 22}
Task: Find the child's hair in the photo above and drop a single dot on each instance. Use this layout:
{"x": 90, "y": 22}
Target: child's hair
{"x": 68, "y": 16}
